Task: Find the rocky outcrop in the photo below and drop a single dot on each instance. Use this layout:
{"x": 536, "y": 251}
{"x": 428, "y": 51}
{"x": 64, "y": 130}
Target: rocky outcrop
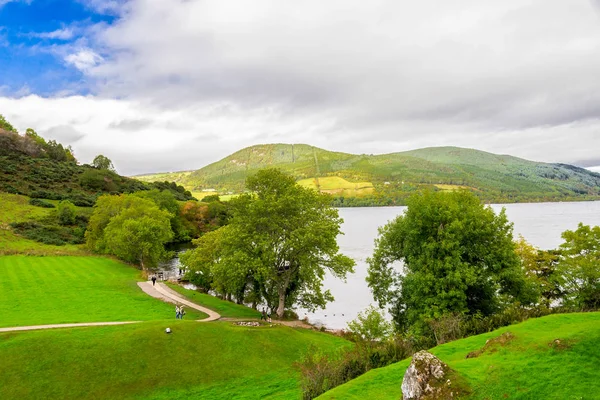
{"x": 426, "y": 378}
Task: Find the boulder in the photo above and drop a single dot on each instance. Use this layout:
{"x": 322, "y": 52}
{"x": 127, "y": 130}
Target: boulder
{"x": 425, "y": 378}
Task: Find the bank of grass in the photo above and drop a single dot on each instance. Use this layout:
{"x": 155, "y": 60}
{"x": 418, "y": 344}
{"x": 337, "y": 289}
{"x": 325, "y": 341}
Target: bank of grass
{"x": 224, "y": 308}
{"x": 338, "y": 185}
{"x": 16, "y": 208}
{"x": 531, "y": 366}
{"x": 215, "y": 360}
{"x": 54, "y": 290}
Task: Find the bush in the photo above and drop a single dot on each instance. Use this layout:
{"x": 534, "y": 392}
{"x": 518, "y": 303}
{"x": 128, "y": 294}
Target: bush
{"x": 67, "y": 213}
{"x": 41, "y": 203}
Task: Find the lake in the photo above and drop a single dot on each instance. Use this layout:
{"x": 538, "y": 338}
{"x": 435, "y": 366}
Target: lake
{"x": 541, "y": 224}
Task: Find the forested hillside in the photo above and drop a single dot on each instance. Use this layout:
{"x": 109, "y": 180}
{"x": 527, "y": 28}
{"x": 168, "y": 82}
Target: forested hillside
{"x": 390, "y": 178}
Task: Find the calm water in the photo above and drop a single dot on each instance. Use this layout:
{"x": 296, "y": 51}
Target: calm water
{"x": 541, "y": 224}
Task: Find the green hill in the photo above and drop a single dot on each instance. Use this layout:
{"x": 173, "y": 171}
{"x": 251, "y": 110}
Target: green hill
{"x": 392, "y": 177}
{"x": 554, "y": 357}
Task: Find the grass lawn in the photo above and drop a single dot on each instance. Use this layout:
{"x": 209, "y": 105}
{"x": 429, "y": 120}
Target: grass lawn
{"x": 225, "y": 308}
{"x": 198, "y": 360}
{"x": 337, "y": 185}
{"x": 528, "y": 367}
{"x": 16, "y": 208}
{"x": 49, "y": 290}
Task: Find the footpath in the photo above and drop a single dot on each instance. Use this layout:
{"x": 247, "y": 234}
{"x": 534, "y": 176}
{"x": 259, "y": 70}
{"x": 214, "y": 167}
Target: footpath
{"x": 160, "y": 291}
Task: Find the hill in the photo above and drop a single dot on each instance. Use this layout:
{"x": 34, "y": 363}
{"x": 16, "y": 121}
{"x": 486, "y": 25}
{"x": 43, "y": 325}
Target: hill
{"x": 390, "y": 178}
{"x": 553, "y": 357}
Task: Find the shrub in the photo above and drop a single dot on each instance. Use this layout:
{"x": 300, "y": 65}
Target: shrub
{"x": 67, "y": 213}
{"x": 41, "y": 203}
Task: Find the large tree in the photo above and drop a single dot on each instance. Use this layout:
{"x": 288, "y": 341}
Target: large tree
{"x": 103, "y": 162}
{"x": 448, "y": 254}
{"x": 579, "y": 267}
{"x": 129, "y": 227}
{"x": 280, "y": 241}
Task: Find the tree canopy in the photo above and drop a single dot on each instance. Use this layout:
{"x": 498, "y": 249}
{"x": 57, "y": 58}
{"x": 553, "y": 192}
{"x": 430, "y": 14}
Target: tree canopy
{"x": 103, "y": 162}
{"x": 130, "y": 227}
{"x": 280, "y": 240}
{"x": 579, "y": 267}
{"x": 448, "y": 254}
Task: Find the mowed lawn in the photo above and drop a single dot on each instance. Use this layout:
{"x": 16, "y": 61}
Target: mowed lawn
{"x": 530, "y": 366}
{"x": 215, "y": 360}
{"x": 52, "y": 290}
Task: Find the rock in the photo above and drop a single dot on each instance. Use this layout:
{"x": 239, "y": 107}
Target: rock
{"x": 247, "y": 323}
{"x": 424, "y": 377}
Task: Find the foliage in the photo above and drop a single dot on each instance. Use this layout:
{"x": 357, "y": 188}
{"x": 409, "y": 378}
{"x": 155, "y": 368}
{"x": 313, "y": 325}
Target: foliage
{"x": 370, "y": 325}
{"x": 280, "y": 240}
{"x": 165, "y": 200}
{"x": 103, "y": 162}
{"x": 67, "y": 213}
{"x": 5, "y": 125}
{"x": 457, "y": 257}
{"x": 579, "y": 267}
{"x": 41, "y": 203}
{"x": 129, "y": 227}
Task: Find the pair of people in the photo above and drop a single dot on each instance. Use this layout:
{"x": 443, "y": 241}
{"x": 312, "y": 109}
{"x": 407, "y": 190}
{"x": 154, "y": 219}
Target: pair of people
{"x": 179, "y": 312}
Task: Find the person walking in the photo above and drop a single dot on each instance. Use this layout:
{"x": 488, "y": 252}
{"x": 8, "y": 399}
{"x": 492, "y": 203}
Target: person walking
{"x": 177, "y": 312}
{"x": 263, "y": 315}
{"x": 153, "y": 279}
{"x": 181, "y": 312}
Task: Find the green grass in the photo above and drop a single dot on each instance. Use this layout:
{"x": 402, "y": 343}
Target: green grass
{"x": 529, "y": 367}
{"x": 338, "y": 186}
{"x": 52, "y": 290}
{"x": 16, "y": 208}
{"x": 198, "y": 360}
{"x": 225, "y": 308}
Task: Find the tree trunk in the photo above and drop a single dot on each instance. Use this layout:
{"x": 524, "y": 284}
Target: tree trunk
{"x": 281, "y": 306}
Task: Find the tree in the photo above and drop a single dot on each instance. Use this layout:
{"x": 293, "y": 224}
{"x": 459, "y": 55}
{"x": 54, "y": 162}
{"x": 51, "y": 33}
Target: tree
{"x": 278, "y": 244}
{"x": 370, "y": 325}
{"x": 129, "y": 227}
{"x": 67, "y": 213}
{"x": 102, "y": 162}
{"x": 579, "y": 267}
{"x": 5, "y": 125}
{"x": 456, "y": 255}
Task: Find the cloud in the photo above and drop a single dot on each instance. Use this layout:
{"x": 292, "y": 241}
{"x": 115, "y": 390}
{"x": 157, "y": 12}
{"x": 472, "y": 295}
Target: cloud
{"x": 66, "y": 33}
{"x": 63, "y": 134}
{"x": 84, "y": 59}
{"x": 192, "y": 81}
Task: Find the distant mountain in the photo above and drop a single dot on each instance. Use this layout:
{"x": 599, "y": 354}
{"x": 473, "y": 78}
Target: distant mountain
{"x": 390, "y": 178}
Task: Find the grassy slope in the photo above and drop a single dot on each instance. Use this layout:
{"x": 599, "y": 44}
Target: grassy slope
{"x": 526, "y": 368}
{"x": 225, "y": 308}
{"x": 15, "y": 208}
{"x": 486, "y": 172}
{"x": 48, "y": 290}
{"x": 198, "y": 360}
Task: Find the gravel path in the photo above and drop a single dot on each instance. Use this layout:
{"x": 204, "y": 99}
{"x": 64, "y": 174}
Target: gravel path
{"x": 53, "y": 326}
{"x": 163, "y": 292}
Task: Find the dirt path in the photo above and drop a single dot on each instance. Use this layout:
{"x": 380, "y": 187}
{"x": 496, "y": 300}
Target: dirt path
{"x": 163, "y": 292}
{"x": 53, "y": 326}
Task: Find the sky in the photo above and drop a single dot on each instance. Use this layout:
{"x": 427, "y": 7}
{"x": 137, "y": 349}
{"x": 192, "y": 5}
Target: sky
{"x": 168, "y": 85}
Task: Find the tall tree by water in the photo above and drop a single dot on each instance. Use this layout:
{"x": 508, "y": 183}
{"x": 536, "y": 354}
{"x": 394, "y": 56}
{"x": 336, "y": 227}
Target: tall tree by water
{"x": 279, "y": 242}
{"x": 448, "y": 254}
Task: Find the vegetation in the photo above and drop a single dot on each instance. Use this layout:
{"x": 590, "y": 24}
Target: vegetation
{"x": 458, "y": 258}
{"x": 553, "y": 357}
{"x": 389, "y": 179}
{"x": 276, "y": 247}
{"x": 51, "y": 290}
{"x": 103, "y": 162}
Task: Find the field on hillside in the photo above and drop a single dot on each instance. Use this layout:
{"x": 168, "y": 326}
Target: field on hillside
{"x": 16, "y": 208}
{"x": 531, "y": 366}
{"x": 51, "y": 290}
{"x": 338, "y": 186}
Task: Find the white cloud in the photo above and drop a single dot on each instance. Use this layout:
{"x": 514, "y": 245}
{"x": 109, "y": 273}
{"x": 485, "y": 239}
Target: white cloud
{"x": 197, "y": 80}
{"x": 84, "y": 59}
{"x": 66, "y": 33}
